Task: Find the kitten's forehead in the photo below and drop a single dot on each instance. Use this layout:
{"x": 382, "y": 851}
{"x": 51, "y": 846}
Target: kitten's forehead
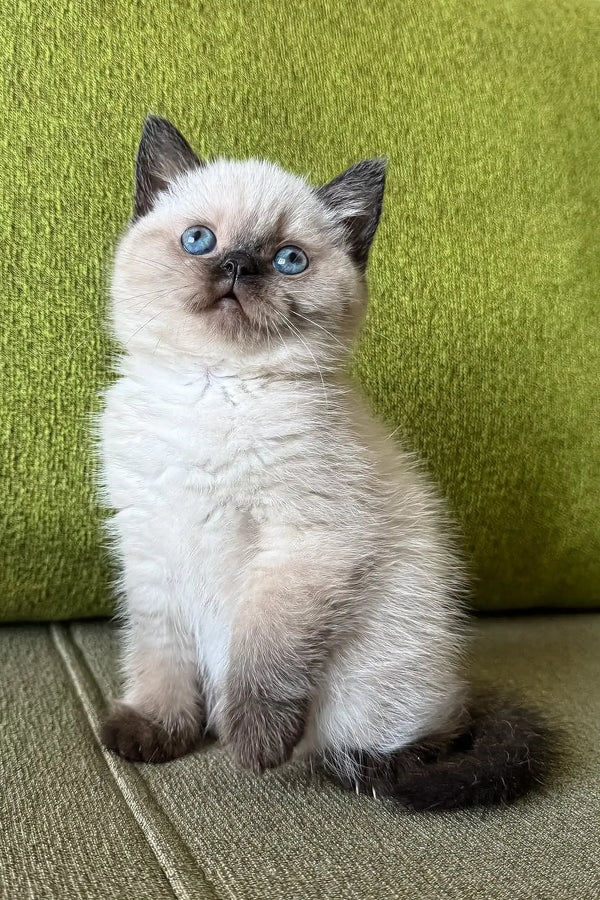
{"x": 250, "y": 198}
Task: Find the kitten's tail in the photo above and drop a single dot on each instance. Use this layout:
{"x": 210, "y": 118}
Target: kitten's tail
{"x": 501, "y": 753}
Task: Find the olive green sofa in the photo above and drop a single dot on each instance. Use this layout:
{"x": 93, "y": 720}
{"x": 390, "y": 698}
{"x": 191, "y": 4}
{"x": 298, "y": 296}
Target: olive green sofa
{"x": 78, "y": 822}
{"x": 481, "y": 347}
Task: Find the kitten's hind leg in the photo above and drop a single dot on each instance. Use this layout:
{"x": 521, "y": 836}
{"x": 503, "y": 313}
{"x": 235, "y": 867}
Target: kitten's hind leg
{"x": 162, "y": 711}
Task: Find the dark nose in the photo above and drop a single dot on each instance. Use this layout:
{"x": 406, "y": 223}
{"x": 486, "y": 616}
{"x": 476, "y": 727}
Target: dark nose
{"x": 238, "y": 264}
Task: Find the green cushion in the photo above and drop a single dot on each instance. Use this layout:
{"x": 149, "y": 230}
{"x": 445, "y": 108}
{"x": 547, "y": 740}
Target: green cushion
{"x": 483, "y": 341}
{"x": 78, "y": 822}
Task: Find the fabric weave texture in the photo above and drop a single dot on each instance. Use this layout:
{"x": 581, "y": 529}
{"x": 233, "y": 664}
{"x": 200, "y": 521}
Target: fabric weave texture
{"x": 79, "y": 822}
{"x": 483, "y": 340}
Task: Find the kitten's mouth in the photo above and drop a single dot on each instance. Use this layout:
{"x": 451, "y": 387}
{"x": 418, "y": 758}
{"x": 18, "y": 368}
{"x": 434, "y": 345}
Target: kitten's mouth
{"x": 227, "y": 301}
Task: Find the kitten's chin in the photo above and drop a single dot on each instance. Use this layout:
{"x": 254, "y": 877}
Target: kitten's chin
{"x": 227, "y": 319}
{"x": 236, "y": 317}
{"x": 228, "y": 304}
{"x": 229, "y": 324}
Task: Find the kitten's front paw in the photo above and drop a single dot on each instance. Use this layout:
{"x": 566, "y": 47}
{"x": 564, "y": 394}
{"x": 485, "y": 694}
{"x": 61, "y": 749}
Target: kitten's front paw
{"x": 139, "y": 738}
{"x": 260, "y": 736}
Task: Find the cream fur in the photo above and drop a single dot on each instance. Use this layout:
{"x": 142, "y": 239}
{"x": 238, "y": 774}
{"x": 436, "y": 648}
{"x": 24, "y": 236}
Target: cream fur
{"x": 255, "y": 494}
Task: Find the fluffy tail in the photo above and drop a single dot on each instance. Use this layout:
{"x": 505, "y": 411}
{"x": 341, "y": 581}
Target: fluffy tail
{"x": 501, "y": 754}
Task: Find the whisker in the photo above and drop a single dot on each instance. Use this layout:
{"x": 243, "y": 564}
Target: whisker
{"x": 139, "y": 328}
{"x": 81, "y": 343}
{"x": 284, "y": 342}
{"x": 295, "y": 312}
{"x": 295, "y": 331}
{"x": 157, "y": 263}
{"x": 161, "y": 294}
{"x": 368, "y": 327}
{"x": 153, "y": 295}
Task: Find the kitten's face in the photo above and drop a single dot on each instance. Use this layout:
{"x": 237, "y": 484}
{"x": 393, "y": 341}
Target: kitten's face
{"x": 241, "y": 264}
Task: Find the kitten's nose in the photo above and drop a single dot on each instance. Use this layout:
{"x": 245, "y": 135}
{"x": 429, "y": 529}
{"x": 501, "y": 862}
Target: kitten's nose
{"x": 238, "y": 264}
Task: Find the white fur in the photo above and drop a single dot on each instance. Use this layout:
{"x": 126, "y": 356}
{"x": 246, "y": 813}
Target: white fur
{"x": 229, "y": 467}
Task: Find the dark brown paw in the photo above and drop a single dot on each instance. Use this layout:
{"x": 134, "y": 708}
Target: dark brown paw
{"x": 260, "y": 736}
{"x": 134, "y": 736}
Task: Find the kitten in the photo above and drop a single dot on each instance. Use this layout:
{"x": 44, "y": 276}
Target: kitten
{"x": 289, "y": 580}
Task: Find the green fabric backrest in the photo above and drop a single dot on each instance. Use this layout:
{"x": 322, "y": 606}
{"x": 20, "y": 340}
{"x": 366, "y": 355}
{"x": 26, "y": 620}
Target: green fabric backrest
{"x": 483, "y": 339}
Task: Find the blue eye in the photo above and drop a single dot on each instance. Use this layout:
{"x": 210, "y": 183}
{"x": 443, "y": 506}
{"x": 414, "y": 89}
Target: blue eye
{"x": 290, "y": 260}
{"x": 198, "y": 239}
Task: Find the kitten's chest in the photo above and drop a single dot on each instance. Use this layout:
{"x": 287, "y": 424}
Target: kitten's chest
{"x": 211, "y": 438}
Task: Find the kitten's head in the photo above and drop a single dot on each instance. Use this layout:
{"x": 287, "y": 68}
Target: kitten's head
{"x": 241, "y": 264}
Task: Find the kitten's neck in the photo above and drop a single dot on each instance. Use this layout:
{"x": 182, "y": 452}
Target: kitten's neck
{"x": 187, "y": 371}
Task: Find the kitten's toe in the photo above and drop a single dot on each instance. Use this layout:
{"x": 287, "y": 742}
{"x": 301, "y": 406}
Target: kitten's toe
{"x": 137, "y": 737}
{"x": 262, "y": 737}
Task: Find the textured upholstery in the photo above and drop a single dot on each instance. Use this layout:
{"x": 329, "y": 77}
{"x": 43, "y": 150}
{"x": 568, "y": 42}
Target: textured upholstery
{"x": 79, "y": 822}
{"x": 483, "y": 341}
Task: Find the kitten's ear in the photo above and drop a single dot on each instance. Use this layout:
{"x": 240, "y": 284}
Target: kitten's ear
{"x": 163, "y": 154}
{"x": 356, "y": 198}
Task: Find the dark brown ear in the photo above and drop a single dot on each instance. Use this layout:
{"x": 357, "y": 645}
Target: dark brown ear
{"x": 162, "y": 155}
{"x": 356, "y": 198}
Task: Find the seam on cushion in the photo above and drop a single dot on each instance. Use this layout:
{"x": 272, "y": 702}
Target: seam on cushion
{"x": 131, "y": 785}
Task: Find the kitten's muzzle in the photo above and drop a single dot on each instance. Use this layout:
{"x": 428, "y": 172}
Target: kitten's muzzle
{"x": 228, "y": 301}
{"x": 238, "y": 264}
